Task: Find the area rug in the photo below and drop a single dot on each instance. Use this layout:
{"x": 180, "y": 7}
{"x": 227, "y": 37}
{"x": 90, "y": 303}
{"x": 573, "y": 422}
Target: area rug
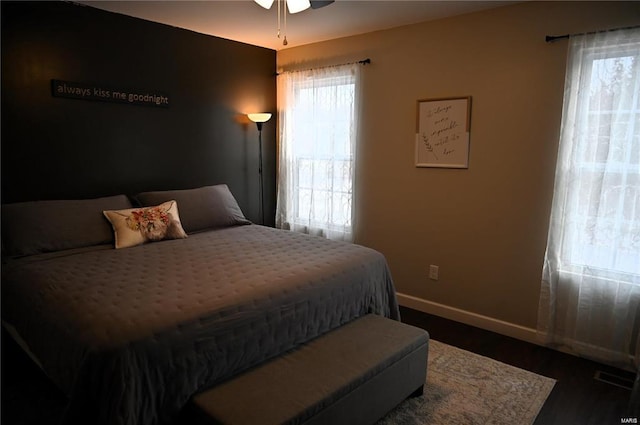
{"x": 466, "y": 388}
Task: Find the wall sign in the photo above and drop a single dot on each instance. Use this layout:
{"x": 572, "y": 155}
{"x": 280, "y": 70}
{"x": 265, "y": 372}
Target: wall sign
{"x": 442, "y": 132}
{"x": 96, "y": 92}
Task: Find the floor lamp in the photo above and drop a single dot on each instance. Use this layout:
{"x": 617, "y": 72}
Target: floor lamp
{"x": 259, "y": 119}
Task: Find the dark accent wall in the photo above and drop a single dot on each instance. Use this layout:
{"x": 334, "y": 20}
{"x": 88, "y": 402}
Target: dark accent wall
{"x": 60, "y": 148}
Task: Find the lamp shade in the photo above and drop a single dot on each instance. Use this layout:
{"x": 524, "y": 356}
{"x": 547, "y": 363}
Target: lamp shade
{"x": 265, "y": 3}
{"x": 260, "y": 117}
{"x": 296, "y": 6}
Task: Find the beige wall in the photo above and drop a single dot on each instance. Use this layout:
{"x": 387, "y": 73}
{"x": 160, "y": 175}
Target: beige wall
{"x": 485, "y": 226}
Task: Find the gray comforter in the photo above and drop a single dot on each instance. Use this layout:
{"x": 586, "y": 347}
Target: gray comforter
{"x": 131, "y": 334}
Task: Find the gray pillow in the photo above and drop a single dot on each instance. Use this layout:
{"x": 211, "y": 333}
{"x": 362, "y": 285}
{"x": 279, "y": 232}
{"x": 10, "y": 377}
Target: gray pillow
{"x": 207, "y": 207}
{"x": 44, "y": 226}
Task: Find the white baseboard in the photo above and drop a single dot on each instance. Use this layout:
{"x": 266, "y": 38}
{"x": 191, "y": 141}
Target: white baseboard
{"x": 479, "y": 321}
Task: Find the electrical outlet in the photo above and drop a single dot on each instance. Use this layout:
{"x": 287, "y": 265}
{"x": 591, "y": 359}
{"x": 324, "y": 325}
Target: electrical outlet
{"x": 433, "y": 272}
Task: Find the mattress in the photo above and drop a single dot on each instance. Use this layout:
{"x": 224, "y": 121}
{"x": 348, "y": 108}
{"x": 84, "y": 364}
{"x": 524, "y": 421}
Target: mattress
{"x": 131, "y": 334}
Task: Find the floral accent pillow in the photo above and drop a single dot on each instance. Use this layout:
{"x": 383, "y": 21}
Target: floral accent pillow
{"x": 136, "y": 226}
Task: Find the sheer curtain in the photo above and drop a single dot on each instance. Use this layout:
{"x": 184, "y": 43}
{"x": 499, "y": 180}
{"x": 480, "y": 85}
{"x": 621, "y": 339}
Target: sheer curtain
{"x": 590, "y": 297}
{"x": 318, "y": 122}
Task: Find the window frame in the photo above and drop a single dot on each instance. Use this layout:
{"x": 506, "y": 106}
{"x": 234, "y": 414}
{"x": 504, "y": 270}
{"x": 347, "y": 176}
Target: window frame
{"x": 331, "y": 82}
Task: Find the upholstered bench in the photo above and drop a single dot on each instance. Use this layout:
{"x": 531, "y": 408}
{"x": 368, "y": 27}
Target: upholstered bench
{"x": 352, "y": 375}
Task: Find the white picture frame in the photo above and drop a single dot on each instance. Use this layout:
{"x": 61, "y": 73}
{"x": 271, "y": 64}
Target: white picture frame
{"x": 442, "y": 132}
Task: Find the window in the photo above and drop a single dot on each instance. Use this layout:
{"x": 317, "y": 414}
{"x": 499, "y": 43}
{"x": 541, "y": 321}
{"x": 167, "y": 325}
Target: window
{"x": 318, "y": 121}
{"x": 590, "y": 293}
{"x": 602, "y": 225}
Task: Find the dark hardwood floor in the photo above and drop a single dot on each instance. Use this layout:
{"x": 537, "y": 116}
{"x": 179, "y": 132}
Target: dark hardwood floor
{"x": 29, "y": 398}
{"x": 577, "y": 398}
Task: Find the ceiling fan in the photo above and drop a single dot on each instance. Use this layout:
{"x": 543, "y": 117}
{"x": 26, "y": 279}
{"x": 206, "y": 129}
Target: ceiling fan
{"x": 294, "y": 6}
{"x": 317, "y": 4}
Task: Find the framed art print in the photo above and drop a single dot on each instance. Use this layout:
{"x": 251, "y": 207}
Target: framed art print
{"x": 442, "y": 132}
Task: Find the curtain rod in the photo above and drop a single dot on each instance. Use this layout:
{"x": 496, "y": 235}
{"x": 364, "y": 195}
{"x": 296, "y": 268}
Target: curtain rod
{"x": 552, "y": 38}
{"x": 361, "y": 62}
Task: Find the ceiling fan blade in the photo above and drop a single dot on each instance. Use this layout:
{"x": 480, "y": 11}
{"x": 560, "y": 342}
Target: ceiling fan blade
{"x": 265, "y": 3}
{"x": 317, "y": 4}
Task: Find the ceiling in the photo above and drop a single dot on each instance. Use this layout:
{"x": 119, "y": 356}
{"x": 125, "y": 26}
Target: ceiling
{"x": 247, "y": 22}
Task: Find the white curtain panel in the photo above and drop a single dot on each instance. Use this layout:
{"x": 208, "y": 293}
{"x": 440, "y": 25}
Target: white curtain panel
{"x": 318, "y": 123}
{"x": 590, "y": 296}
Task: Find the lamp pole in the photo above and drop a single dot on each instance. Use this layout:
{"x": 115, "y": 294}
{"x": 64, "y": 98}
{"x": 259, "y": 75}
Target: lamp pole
{"x": 259, "y": 124}
{"x": 259, "y": 119}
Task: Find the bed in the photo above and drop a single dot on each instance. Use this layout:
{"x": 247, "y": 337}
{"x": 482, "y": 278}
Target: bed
{"x": 131, "y": 333}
